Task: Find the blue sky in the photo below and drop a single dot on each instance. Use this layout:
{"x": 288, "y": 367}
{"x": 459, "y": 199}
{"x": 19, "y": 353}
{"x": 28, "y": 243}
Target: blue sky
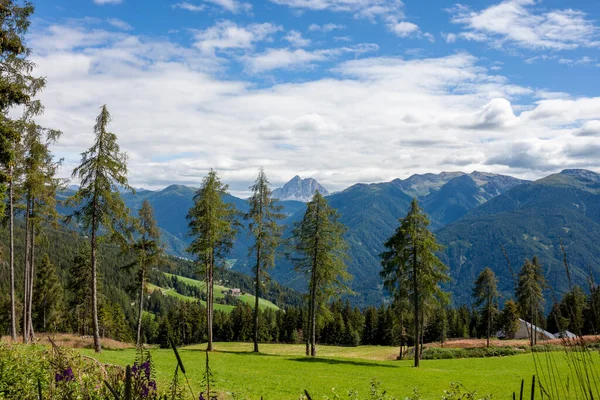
{"x": 343, "y": 90}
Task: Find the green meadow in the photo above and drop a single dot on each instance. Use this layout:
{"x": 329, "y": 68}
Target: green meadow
{"x": 283, "y": 372}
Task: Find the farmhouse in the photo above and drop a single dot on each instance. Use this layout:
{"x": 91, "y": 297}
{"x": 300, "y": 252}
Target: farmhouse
{"x": 524, "y": 331}
{"x": 234, "y": 292}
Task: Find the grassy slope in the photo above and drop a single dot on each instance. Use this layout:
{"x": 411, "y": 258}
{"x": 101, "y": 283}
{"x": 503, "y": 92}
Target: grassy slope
{"x": 246, "y": 298}
{"x": 282, "y": 372}
{"x": 173, "y": 293}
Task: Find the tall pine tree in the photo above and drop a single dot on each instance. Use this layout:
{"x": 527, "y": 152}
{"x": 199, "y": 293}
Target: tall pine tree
{"x": 321, "y": 248}
{"x": 212, "y": 224}
{"x": 530, "y": 294}
{"x": 101, "y": 210}
{"x": 485, "y": 293}
{"x": 411, "y": 267}
{"x": 148, "y": 252}
{"x": 263, "y": 215}
{"x": 17, "y": 87}
{"x": 47, "y": 305}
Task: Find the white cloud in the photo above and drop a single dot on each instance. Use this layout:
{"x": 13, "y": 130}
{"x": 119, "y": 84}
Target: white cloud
{"x": 119, "y": 24}
{"x": 325, "y": 27}
{"x": 404, "y": 29}
{"x": 518, "y": 23}
{"x": 273, "y": 59}
{"x": 184, "y": 5}
{"x": 371, "y": 119}
{"x": 228, "y": 35}
{"x": 233, "y": 6}
{"x": 295, "y": 39}
{"x": 102, "y": 2}
{"x": 361, "y": 8}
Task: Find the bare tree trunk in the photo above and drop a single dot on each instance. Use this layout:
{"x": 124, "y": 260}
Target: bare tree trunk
{"x": 209, "y": 300}
{"x": 97, "y": 345}
{"x": 307, "y": 326}
{"x": 256, "y": 295}
{"x": 416, "y": 304}
{"x": 400, "y": 356}
{"x": 138, "y": 341}
{"x": 313, "y": 321}
{"x": 26, "y": 293}
{"x": 31, "y": 276}
{"x": 489, "y": 319}
{"x": 11, "y": 223}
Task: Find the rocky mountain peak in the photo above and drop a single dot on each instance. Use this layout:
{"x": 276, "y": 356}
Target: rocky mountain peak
{"x": 299, "y": 189}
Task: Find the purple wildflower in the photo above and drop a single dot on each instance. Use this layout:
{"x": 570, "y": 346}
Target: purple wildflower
{"x": 58, "y": 377}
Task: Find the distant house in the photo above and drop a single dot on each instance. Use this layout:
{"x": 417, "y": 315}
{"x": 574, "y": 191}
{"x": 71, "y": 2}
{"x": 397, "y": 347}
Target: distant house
{"x": 524, "y": 332}
{"x": 234, "y": 292}
{"x": 565, "y": 335}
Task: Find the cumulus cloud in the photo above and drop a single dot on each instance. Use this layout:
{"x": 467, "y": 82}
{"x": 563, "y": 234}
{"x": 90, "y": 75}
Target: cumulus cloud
{"x": 519, "y": 23}
{"x": 228, "y": 35}
{"x": 233, "y": 6}
{"x": 273, "y": 59}
{"x": 372, "y": 119}
{"x": 589, "y": 128}
{"x": 295, "y": 39}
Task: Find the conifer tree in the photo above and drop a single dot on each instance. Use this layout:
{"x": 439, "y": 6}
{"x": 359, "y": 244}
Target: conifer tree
{"x": 319, "y": 242}
{"x": 485, "y": 293}
{"x": 78, "y": 285}
{"x": 411, "y": 268}
{"x": 39, "y": 187}
{"x": 17, "y": 87}
{"x": 148, "y": 252}
{"x": 212, "y": 225}
{"x": 530, "y": 294}
{"x": 48, "y": 291}
{"x": 102, "y": 212}
{"x": 263, "y": 216}
{"x": 509, "y": 318}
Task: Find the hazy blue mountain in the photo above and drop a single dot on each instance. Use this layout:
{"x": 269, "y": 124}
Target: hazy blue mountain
{"x": 473, "y": 214}
{"x": 299, "y": 189}
{"x": 533, "y": 218}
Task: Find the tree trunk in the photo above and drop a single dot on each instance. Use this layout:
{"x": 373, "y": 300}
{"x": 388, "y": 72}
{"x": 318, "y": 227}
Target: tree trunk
{"x": 31, "y": 278}
{"x": 400, "y": 356}
{"x": 11, "y": 223}
{"x": 489, "y": 319}
{"x": 26, "y": 293}
{"x": 209, "y": 300}
{"x": 97, "y": 345}
{"x": 307, "y": 326}
{"x": 416, "y": 303}
{"x": 138, "y": 341}
{"x": 256, "y": 295}
{"x": 313, "y": 320}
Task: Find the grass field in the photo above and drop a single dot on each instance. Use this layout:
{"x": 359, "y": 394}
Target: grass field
{"x": 283, "y": 372}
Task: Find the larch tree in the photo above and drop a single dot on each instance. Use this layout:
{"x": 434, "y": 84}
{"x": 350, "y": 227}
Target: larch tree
{"x": 17, "y": 87}
{"x": 212, "y": 227}
{"x": 485, "y": 293}
{"x": 47, "y": 305}
{"x": 529, "y": 293}
{"x": 263, "y": 215}
{"x": 148, "y": 252}
{"x": 321, "y": 249}
{"x": 39, "y": 186}
{"x": 100, "y": 210}
{"x": 412, "y": 269}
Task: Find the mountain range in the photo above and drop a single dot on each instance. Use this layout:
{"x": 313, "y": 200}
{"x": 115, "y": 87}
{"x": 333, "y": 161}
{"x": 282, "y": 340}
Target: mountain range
{"x": 482, "y": 219}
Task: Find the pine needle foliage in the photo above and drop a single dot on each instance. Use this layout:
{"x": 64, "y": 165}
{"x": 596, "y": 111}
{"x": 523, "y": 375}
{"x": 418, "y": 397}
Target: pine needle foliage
{"x": 263, "y": 215}
{"x": 322, "y": 254}
{"x": 100, "y": 210}
{"x": 212, "y": 226}
{"x": 411, "y": 268}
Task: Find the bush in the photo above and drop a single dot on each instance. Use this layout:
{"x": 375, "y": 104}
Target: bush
{"x": 439, "y": 353}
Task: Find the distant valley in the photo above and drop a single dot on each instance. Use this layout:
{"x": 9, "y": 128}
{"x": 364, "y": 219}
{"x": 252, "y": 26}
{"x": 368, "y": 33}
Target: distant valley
{"x": 474, "y": 215}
